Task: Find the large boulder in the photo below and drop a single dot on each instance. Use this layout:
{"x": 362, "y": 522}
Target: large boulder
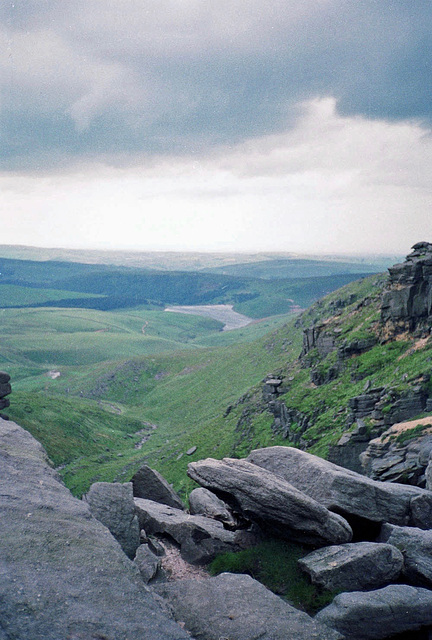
{"x": 353, "y": 566}
{"x": 149, "y": 484}
{"x": 113, "y": 505}
{"x": 373, "y": 615}
{"x": 239, "y": 608}
{"x": 346, "y": 491}
{"x": 266, "y": 498}
{"x": 416, "y": 547}
{"x": 62, "y": 574}
{"x": 203, "y": 502}
{"x": 201, "y": 539}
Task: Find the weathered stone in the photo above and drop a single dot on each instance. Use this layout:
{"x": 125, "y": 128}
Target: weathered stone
{"x": 150, "y": 485}
{"x": 201, "y": 539}
{"x": 190, "y": 451}
{"x": 62, "y": 574}
{"x": 353, "y": 566}
{"x": 416, "y": 547}
{"x": 203, "y": 502}
{"x": 345, "y": 491}
{"x": 4, "y": 377}
{"x": 265, "y": 498}
{"x": 374, "y": 615}
{"x": 147, "y": 562}
{"x": 5, "y": 389}
{"x": 239, "y": 608}
{"x": 113, "y": 505}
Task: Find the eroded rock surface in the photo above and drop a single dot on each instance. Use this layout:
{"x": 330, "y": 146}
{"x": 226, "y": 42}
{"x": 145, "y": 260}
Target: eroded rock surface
{"x": 203, "y": 502}
{"x": 373, "y": 615}
{"x": 200, "y": 538}
{"x": 416, "y": 547}
{"x": 239, "y": 608}
{"x": 353, "y": 567}
{"x": 113, "y": 505}
{"x": 266, "y": 498}
{"x": 62, "y": 574}
{"x": 345, "y": 491}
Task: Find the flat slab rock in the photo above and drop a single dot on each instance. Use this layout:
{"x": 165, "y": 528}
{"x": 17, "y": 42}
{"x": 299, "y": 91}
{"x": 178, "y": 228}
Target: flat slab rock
{"x": 353, "y": 566}
{"x": 62, "y": 574}
{"x": 264, "y": 497}
{"x": 201, "y": 539}
{"x": 345, "y": 491}
{"x": 374, "y": 615}
{"x": 239, "y": 608}
{"x": 416, "y": 547}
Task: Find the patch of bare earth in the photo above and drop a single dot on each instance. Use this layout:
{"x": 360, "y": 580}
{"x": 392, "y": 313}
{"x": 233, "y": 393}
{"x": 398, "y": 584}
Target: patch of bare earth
{"x": 178, "y": 569}
{"x": 400, "y": 427}
{"x": 419, "y": 344}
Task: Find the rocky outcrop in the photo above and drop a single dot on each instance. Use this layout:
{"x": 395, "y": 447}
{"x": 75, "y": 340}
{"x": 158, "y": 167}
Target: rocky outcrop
{"x": 290, "y": 423}
{"x": 265, "y": 498}
{"x": 345, "y": 491}
{"x": 407, "y": 302}
{"x": 374, "y": 615}
{"x": 113, "y": 505}
{"x": 201, "y": 539}
{"x": 150, "y": 485}
{"x": 5, "y": 390}
{"x": 354, "y": 566}
{"x": 239, "y": 608}
{"x": 400, "y": 454}
{"x": 317, "y": 337}
{"x": 62, "y": 574}
{"x": 416, "y": 547}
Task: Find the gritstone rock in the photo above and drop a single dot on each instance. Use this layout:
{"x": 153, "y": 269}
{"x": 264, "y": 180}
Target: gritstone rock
{"x": 147, "y": 562}
{"x": 205, "y": 503}
{"x": 239, "y": 608}
{"x": 266, "y": 498}
{"x": 345, "y": 491}
{"x": 373, "y": 615}
{"x": 62, "y": 574}
{"x": 113, "y": 505}
{"x": 150, "y": 485}
{"x": 200, "y": 539}
{"x": 353, "y": 566}
{"x": 416, "y": 547}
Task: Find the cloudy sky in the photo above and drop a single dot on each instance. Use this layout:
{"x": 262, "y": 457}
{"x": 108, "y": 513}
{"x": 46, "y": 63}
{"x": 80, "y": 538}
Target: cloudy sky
{"x": 216, "y": 125}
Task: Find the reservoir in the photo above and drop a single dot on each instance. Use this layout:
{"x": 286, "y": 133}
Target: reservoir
{"x": 222, "y": 312}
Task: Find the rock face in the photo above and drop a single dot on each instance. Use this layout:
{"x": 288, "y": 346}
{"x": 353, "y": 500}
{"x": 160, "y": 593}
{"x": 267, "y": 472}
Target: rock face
{"x": 264, "y": 497}
{"x": 203, "y": 502}
{"x": 150, "y": 485}
{"x": 416, "y": 547}
{"x": 5, "y": 390}
{"x": 345, "y": 491}
{"x": 113, "y": 505}
{"x": 62, "y": 574}
{"x": 407, "y": 303}
{"x": 239, "y": 608}
{"x": 378, "y": 614}
{"x": 200, "y": 539}
{"x": 353, "y": 567}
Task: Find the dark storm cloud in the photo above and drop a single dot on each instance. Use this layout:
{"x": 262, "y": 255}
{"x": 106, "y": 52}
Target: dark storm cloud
{"x": 119, "y": 81}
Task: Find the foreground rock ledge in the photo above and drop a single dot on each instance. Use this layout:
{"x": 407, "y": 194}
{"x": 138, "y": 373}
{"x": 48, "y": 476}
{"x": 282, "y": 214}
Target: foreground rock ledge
{"x": 62, "y": 574}
{"x": 237, "y": 607}
{"x": 264, "y": 497}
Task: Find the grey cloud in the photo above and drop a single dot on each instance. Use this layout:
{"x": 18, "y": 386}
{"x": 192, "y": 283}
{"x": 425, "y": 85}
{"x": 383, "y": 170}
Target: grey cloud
{"x": 120, "y": 80}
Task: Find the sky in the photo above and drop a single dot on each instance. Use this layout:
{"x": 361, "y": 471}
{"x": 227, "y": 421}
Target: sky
{"x": 235, "y": 125}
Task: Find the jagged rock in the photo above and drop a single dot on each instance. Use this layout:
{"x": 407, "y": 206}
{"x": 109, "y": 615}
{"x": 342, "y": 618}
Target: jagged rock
{"x": 346, "y": 453}
{"x": 407, "y": 302}
{"x": 62, "y": 574}
{"x": 416, "y": 547}
{"x": 113, "y": 505}
{"x": 355, "y": 347}
{"x": 150, "y": 485}
{"x": 374, "y": 615}
{"x": 203, "y": 502}
{"x": 290, "y": 423}
{"x": 147, "y": 562}
{"x": 265, "y": 498}
{"x": 239, "y": 608}
{"x": 318, "y": 338}
{"x": 397, "y": 458}
{"x": 345, "y": 491}
{"x": 353, "y": 566}
{"x": 200, "y": 538}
